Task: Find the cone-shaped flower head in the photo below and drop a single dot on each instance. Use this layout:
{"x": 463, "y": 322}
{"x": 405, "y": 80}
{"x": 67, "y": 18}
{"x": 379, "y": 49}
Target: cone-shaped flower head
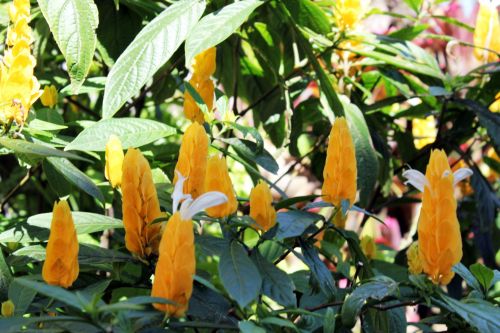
{"x": 486, "y": 34}
{"x": 176, "y": 263}
{"x": 439, "y": 240}
{"x": 192, "y": 160}
{"x": 61, "y": 262}
{"x": 348, "y": 13}
{"x": 261, "y": 206}
{"x": 217, "y": 179}
{"x": 413, "y": 256}
{"x": 114, "y": 161}
{"x": 19, "y": 89}
{"x": 203, "y": 68}
{"x": 49, "y": 96}
{"x": 340, "y": 172}
{"x": 424, "y": 131}
{"x": 140, "y": 205}
{"x": 368, "y": 246}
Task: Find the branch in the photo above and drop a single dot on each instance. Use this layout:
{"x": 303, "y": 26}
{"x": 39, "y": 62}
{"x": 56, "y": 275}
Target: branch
{"x": 22, "y": 182}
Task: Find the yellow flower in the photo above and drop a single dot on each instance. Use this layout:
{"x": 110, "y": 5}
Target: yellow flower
{"x": 413, "y": 256}
{"x": 340, "y": 170}
{"x": 19, "y": 89}
{"x": 61, "y": 262}
{"x": 348, "y": 13}
{"x": 177, "y": 263}
{"x": 114, "y": 161}
{"x": 140, "y": 205}
{"x": 368, "y": 246}
{"x": 192, "y": 160}
{"x": 495, "y": 106}
{"x": 204, "y": 63}
{"x": 261, "y": 206}
{"x": 439, "y": 240}
{"x": 217, "y": 179}
{"x": 49, "y": 96}
{"x": 487, "y": 32}
{"x": 8, "y": 308}
{"x": 424, "y": 131}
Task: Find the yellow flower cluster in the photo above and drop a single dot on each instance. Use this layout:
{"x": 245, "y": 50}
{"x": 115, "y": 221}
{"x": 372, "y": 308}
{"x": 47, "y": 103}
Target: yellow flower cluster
{"x": 203, "y": 68}
{"x": 19, "y": 88}
{"x": 487, "y": 32}
{"x": 348, "y": 13}
{"x": 261, "y": 206}
{"x": 61, "y": 263}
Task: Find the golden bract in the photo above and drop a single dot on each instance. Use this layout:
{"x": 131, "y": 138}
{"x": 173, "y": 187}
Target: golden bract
{"x": 261, "y": 206}
{"x": 61, "y": 262}
{"x": 217, "y": 179}
{"x": 192, "y": 159}
{"x": 140, "y": 205}
{"x": 413, "y": 256}
{"x": 49, "y": 96}
{"x": 486, "y": 34}
{"x": 114, "y": 161}
{"x": 176, "y": 266}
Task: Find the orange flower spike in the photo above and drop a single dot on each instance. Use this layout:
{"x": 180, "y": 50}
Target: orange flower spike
{"x": 487, "y": 31}
{"x": 413, "y": 256}
{"x": 176, "y": 265}
{"x": 192, "y": 160}
{"x": 61, "y": 262}
{"x": 114, "y": 161}
{"x": 261, "y": 206}
{"x": 368, "y": 246}
{"x": 217, "y": 179}
{"x": 439, "y": 240}
{"x": 140, "y": 205}
{"x": 205, "y": 89}
{"x": 204, "y": 63}
{"x": 340, "y": 172}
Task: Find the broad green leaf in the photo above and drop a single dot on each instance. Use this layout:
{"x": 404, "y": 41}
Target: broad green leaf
{"x": 239, "y": 275}
{"x": 329, "y": 321}
{"x": 280, "y": 322}
{"x": 308, "y": 14}
{"x": 150, "y": 50}
{"x": 366, "y": 159}
{"x": 76, "y": 177}
{"x": 38, "y": 226}
{"x": 57, "y": 293}
{"x": 465, "y": 274}
{"x": 293, "y": 223}
{"x": 375, "y": 288}
{"x": 34, "y": 149}
{"x": 409, "y": 33}
{"x": 22, "y": 297}
{"x": 73, "y": 24}
{"x": 275, "y": 283}
{"x": 250, "y": 327}
{"x": 132, "y": 132}
{"x": 414, "y": 4}
{"x": 249, "y": 151}
{"x": 217, "y": 26}
{"x": 483, "y": 274}
{"x": 322, "y": 276}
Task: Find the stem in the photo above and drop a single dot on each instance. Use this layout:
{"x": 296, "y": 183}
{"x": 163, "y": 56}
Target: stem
{"x": 16, "y": 188}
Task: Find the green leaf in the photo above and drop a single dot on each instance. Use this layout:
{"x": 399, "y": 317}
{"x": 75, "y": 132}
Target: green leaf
{"x": 29, "y": 148}
{"x": 57, "y": 293}
{"x": 375, "y": 288}
{"x": 76, "y": 177}
{"x": 280, "y": 322}
{"x": 483, "y": 274}
{"x": 293, "y": 223}
{"x": 5, "y": 275}
{"x": 215, "y": 27}
{"x": 481, "y": 315}
{"x": 366, "y": 159}
{"x": 73, "y": 24}
{"x": 250, "y": 327}
{"x": 37, "y": 227}
{"x": 415, "y": 5}
{"x": 133, "y": 132}
{"x": 149, "y": 51}
{"x": 308, "y": 14}
{"x": 91, "y": 85}
{"x": 319, "y": 271}
{"x": 22, "y": 297}
{"x": 465, "y": 274}
{"x": 275, "y": 283}
{"x": 239, "y": 275}
{"x": 409, "y": 33}
{"x": 250, "y": 152}
{"x": 329, "y": 321}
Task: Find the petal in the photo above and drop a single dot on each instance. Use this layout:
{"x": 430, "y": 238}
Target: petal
{"x": 189, "y": 208}
{"x": 461, "y": 174}
{"x": 416, "y": 178}
{"x": 177, "y": 194}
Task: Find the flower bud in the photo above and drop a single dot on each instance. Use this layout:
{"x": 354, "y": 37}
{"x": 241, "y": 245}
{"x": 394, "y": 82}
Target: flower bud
{"x": 8, "y": 308}
{"x": 61, "y": 262}
{"x": 261, "y": 206}
{"x": 114, "y": 161}
{"x": 49, "y": 96}
{"x": 217, "y": 179}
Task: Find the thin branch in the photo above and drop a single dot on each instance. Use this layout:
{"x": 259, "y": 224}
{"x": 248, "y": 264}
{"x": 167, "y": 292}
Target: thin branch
{"x": 82, "y": 107}
{"x": 18, "y": 186}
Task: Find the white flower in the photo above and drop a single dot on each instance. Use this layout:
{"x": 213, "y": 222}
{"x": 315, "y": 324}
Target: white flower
{"x": 190, "y": 207}
{"x": 419, "y": 181}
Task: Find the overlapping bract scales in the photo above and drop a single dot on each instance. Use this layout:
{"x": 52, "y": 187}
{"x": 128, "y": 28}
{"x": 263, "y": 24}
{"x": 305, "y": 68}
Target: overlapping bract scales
{"x": 487, "y": 32}
{"x": 19, "y": 88}
{"x": 203, "y": 68}
{"x": 413, "y": 257}
{"x": 61, "y": 262}
{"x": 217, "y": 179}
{"x": 176, "y": 266}
{"x": 261, "y": 206}
{"x": 192, "y": 161}
{"x": 140, "y": 205}
{"x": 340, "y": 172}
{"x": 114, "y": 161}
{"x": 439, "y": 240}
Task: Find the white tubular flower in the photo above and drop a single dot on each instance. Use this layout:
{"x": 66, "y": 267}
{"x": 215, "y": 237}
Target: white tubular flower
{"x": 419, "y": 181}
{"x": 189, "y": 207}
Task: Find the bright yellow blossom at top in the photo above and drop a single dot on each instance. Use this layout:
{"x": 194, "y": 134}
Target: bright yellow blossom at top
{"x": 487, "y": 32}
{"x": 19, "y": 89}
